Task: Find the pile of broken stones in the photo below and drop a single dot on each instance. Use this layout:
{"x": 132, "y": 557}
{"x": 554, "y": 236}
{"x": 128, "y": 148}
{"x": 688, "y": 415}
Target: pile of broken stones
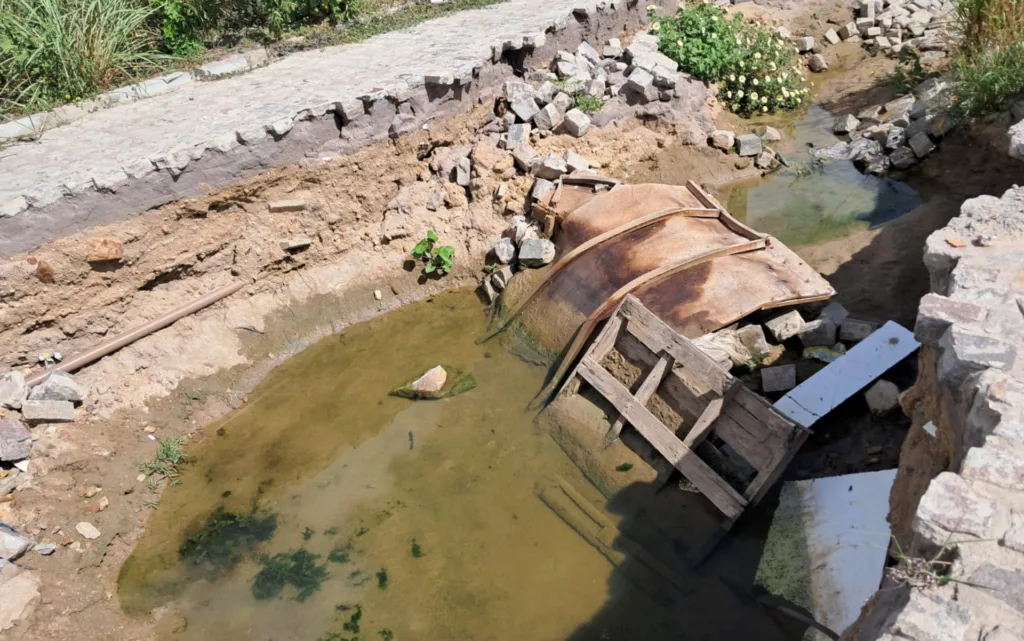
{"x": 823, "y": 339}
{"x": 896, "y": 26}
{"x": 896, "y": 135}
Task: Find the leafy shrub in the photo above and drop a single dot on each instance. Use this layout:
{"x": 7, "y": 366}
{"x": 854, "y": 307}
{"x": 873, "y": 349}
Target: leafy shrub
{"x": 988, "y": 70}
{"x": 756, "y": 70}
{"x": 58, "y": 51}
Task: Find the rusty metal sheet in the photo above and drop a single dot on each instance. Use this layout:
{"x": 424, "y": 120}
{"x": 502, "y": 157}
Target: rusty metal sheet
{"x": 695, "y": 301}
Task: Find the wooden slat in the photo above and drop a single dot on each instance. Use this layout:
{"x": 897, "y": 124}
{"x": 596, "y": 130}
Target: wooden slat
{"x": 765, "y": 414}
{"x": 712, "y": 486}
{"x": 606, "y": 339}
{"x": 767, "y": 477}
{"x": 707, "y": 418}
{"x": 734, "y": 225}
{"x": 658, "y": 336}
{"x": 646, "y": 390}
{"x": 753, "y": 448}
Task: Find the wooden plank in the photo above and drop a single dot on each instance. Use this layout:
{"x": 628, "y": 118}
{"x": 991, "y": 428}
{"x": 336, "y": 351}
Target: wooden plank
{"x": 647, "y": 389}
{"x": 712, "y": 486}
{"x": 847, "y": 375}
{"x": 731, "y": 223}
{"x": 658, "y": 336}
{"x": 707, "y": 418}
{"x": 767, "y": 477}
{"x": 762, "y": 411}
{"x": 606, "y": 339}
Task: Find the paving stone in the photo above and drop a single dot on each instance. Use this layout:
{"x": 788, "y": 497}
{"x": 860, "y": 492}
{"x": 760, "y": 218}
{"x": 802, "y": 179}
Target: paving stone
{"x": 551, "y": 168}
{"x": 832, "y": 37}
{"x": 848, "y": 30}
{"x": 541, "y": 188}
{"x": 536, "y": 252}
{"x": 748, "y": 145}
{"x": 576, "y": 123}
{"x": 524, "y": 109}
{"x": 547, "y": 92}
{"x": 463, "y": 171}
{"x": 13, "y": 390}
{"x": 58, "y": 386}
{"x": 640, "y": 80}
{"x": 48, "y": 411}
{"x": 501, "y": 278}
{"x": 764, "y": 160}
{"x": 563, "y": 101}
{"x": 576, "y": 162}
{"x": 804, "y": 44}
{"x": 882, "y": 397}
{"x": 817, "y": 333}
{"x": 853, "y": 331}
{"x": 15, "y": 440}
{"x": 781, "y": 378}
{"x": 588, "y": 52}
{"x": 921, "y": 144}
{"x": 785, "y": 326}
{"x": 516, "y": 90}
{"x": 518, "y": 134}
{"x": 549, "y": 118}
{"x": 504, "y": 250}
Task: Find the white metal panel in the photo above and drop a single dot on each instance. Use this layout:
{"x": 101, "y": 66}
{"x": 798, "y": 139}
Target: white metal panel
{"x": 847, "y": 375}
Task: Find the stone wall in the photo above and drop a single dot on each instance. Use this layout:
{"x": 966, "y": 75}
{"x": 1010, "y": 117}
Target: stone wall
{"x": 959, "y": 494}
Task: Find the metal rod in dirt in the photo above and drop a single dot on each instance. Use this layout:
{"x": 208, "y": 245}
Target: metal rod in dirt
{"x": 136, "y": 333}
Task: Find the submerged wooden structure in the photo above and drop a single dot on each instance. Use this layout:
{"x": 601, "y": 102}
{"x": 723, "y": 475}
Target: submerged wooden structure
{"x": 725, "y": 417}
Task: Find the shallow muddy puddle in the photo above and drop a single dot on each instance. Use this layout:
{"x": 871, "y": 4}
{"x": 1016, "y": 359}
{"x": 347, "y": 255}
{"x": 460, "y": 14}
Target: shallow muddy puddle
{"x": 424, "y": 515}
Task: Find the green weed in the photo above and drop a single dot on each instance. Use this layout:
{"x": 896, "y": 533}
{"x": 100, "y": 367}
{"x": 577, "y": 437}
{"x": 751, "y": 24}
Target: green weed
{"x": 908, "y": 73}
{"x": 587, "y": 103}
{"x": 168, "y": 459}
{"x": 437, "y": 259}
{"x": 297, "y": 568}
{"x": 624, "y": 467}
{"x": 755, "y": 69}
{"x": 225, "y": 536}
{"x": 988, "y": 69}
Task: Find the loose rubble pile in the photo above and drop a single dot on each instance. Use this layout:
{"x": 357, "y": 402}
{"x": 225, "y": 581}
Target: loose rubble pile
{"x": 823, "y": 339}
{"x": 896, "y": 135}
{"x": 895, "y": 26}
{"x": 749, "y": 146}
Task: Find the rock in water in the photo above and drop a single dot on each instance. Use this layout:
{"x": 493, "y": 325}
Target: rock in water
{"x": 431, "y": 382}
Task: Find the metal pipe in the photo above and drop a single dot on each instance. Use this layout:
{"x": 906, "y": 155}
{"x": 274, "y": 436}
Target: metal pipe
{"x": 136, "y": 333}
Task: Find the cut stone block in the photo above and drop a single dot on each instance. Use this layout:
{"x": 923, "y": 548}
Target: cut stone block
{"x": 832, "y": 37}
{"x": 786, "y": 326}
{"x": 722, "y": 139}
{"x": 921, "y": 144}
{"x": 821, "y": 332}
{"x": 748, "y": 145}
{"x": 834, "y": 312}
{"x": 549, "y": 118}
{"x": 552, "y": 168}
{"x": 778, "y": 379}
{"x": 48, "y": 411}
{"x": 576, "y": 123}
{"x": 15, "y": 440}
{"x": 58, "y": 386}
{"x": 505, "y": 251}
{"x": 13, "y": 390}
{"x": 804, "y": 44}
{"x": 536, "y": 252}
{"x": 576, "y": 162}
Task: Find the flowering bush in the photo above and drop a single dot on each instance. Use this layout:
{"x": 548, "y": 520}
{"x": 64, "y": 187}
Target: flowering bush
{"x": 756, "y": 70}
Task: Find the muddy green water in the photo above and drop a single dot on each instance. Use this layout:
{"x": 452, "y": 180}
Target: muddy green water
{"x": 343, "y": 465}
{"x": 807, "y": 203}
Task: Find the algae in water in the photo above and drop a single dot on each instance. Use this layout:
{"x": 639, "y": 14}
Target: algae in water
{"x": 225, "y": 538}
{"x": 297, "y": 568}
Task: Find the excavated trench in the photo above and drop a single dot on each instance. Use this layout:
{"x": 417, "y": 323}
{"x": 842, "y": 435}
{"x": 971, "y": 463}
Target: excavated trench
{"x": 424, "y": 517}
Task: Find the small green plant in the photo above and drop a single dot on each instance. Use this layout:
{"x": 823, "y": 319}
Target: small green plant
{"x": 340, "y": 554}
{"x": 382, "y": 579}
{"x": 352, "y": 625}
{"x": 908, "y": 73}
{"x": 624, "y": 467}
{"x": 587, "y": 103}
{"x": 417, "y": 551}
{"x": 331, "y": 531}
{"x": 297, "y": 568}
{"x": 754, "y": 68}
{"x": 437, "y": 259}
{"x": 225, "y": 536}
{"x": 386, "y": 634}
{"x": 308, "y": 533}
{"x": 168, "y": 459}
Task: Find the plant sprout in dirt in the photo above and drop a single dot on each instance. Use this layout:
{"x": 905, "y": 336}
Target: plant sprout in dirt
{"x": 168, "y": 459}
{"x": 755, "y": 69}
{"x": 438, "y": 260}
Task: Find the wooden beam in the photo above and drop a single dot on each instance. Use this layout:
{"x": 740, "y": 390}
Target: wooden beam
{"x": 710, "y": 484}
{"x": 647, "y": 389}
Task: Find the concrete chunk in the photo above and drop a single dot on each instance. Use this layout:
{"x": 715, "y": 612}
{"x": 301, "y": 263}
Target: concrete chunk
{"x": 58, "y": 386}
{"x": 804, "y": 44}
{"x": 525, "y": 157}
{"x": 921, "y": 144}
{"x": 48, "y": 411}
{"x": 518, "y": 134}
{"x": 15, "y": 440}
{"x": 882, "y": 397}
{"x": 505, "y": 251}
{"x": 640, "y": 80}
{"x": 748, "y": 145}
{"x": 781, "y": 378}
{"x": 832, "y": 36}
{"x": 817, "y": 333}
{"x": 834, "y": 312}
{"x": 551, "y": 168}
{"x": 786, "y": 326}
{"x": 13, "y": 390}
{"x": 576, "y": 162}
{"x": 549, "y": 118}
{"x": 525, "y": 109}
{"x": 536, "y": 252}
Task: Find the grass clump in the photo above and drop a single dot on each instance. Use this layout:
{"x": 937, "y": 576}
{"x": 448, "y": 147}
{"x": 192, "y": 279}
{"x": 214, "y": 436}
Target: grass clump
{"x": 757, "y": 71}
{"x": 59, "y": 51}
{"x": 340, "y": 554}
{"x": 587, "y": 103}
{"x": 386, "y": 634}
{"x": 297, "y": 568}
{"x": 623, "y": 467}
{"x": 988, "y": 68}
{"x": 168, "y": 459}
{"x": 225, "y": 536}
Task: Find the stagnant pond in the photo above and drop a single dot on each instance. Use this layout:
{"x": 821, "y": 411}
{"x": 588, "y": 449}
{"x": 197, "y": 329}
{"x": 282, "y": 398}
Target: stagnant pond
{"x": 325, "y": 509}
{"x": 808, "y": 202}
